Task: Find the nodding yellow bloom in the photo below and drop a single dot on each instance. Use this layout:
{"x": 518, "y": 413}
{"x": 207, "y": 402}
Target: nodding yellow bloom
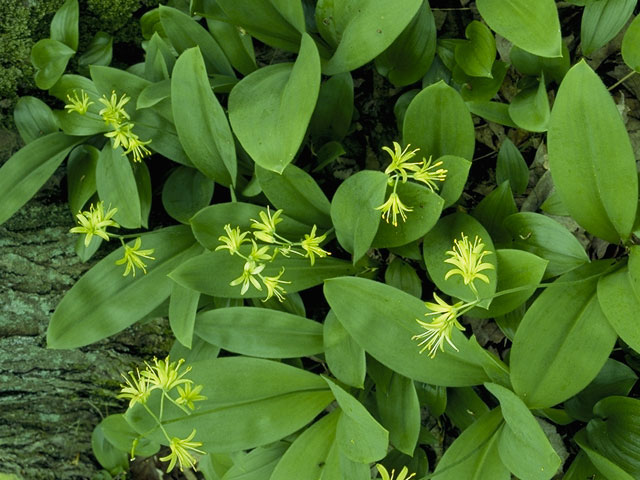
{"x": 95, "y": 222}
{"x": 311, "y": 245}
{"x": 132, "y": 258}
{"x": 234, "y": 239}
{"x": 401, "y": 476}
{"x": 467, "y": 257}
{"x": 273, "y": 288}
{"x": 399, "y": 158}
{"x": 165, "y": 374}
{"x": 428, "y": 174}
{"x": 392, "y": 207}
{"x": 114, "y": 113}
{"x": 440, "y": 328}
{"x": 78, "y": 104}
{"x": 120, "y": 135}
{"x": 267, "y": 227}
{"x": 249, "y": 271}
{"x": 189, "y": 395}
{"x": 258, "y": 254}
{"x": 180, "y": 452}
{"x": 137, "y": 147}
{"x": 136, "y": 388}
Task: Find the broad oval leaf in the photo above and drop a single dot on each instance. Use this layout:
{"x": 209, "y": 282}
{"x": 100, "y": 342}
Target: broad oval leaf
{"x": 331, "y": 118}
{"x": 590, "y": 156}
{"x": 457, "y": 173}
{"x": 81, "y": 176}
{"x": 605, "y": 466}
{"x": 512, "y": 167}
{"x": 258, "y": 464}
{"x": 476, "y": 55}
{"x": 399, "y": 410}
{"x": 602, "y": 20}
{"x": 104, "y": 302}
{"x": 64, "y": 25}
{"x": 382, "y": 320}
{"x": 260, "y": 332}
{"x": 185, "y": 193}
{"x": 49, "y": 57}
{"x": 345, "y": 358}
{"x": 532, "y": 26}
{"x": 183, "y": 306}
{"x": 34, "y": 118}
{"x": 438, "y": 122}
{"x": 529, "y": 109}
{"x": 99, "y": 51}
{"x": 270, "y": 109}
{"x": 563, "y": 340}
{"x": 631, "y": 45}
{"x": 203, "y": 129}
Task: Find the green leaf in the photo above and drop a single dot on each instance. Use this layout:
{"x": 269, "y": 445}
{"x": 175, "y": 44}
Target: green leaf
{"x": 183, "y": 305}
{"x": 631, "y": 45}
{"x": 345, "y": 358}
{"x": 474, "y": 454}
{"x": 441, "y": 240}
{"x": 185, "y": 33}
{"x": 297, "y": 193}
{"x": 109, "y": 457}
{"x": 331, "y": 118}
{"x": 81, "y": 176}
{"x": 457, "y": 173}
{"x": 185, "y": 193}
{"x": 529, "y": 109}
{"x": 359, "y": 436}
{"x": 159, "y": 60}
{"x": 621, "y": 306}
{"x": 493, "y": 111}
{"x": 553, "y": 69}
{"x": 196, "y": 274}
{"x": 605, "y": 466}
{"x": 409, "y": 57}
{"x": 399, "y": 410}
{"x": 34, "y": 119}
{"x": 49, "y": 57}
{"x": 522, "y": 433}
{"x": 257, "y": 464}
{"x": 480, "y": 89}
{"x": 119, "y": 433}
{"x": 306, "y": 456}
{"x": 634, "y": 269}
{"x": 464, "y": 407}
{"x": 270, "y": 109}
{"x": 517, "y": 269}
{"x": 476, "y": 55}
{"x": 29, "y": 168}
{"x": 260, "y": 332}
{"x": 534, "y": 27}
{"x": 582, "y": 468}
{"x": 64, "y": 25}
{"x": 109, "y": 79}
{"x": 382, "y": 320}
{"x": 602, "y": 20}
{"x": 203, "y": 130}
{"x": 353, "y": 210}
{"x": 104, "y": 302}
{"x": 143, "y": 184}
{"x": 512, "y": 167}
{"x": 401, "y": 275}
{"x": 426, "y": 208}
{"x": 361, "y": 30}
{"x": 242, "y": 394}
{"x": 99, "y": 51}
{"x": 150, "y": 124}
{"x": 546, "y": 238}
{"x": 439, "y": 123}
{"x": 494, "y": 209}
{"x": 590, "y": 156}
{"x": 117, "y": 186}
{"x": 563, "y": 340}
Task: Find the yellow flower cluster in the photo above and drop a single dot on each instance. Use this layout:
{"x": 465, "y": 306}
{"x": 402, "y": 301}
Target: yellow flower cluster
{"x": 255, "y": 260}
{"x": 384, "y": 473}
{"x": 400, "y": 169}
{"x": 467, "y": 258}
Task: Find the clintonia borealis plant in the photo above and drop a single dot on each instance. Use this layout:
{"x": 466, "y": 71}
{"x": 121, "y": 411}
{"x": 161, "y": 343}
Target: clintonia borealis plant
{"x": 304, "y": 348}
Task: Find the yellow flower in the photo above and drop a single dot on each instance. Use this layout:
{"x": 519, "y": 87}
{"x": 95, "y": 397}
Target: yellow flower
{"x": 399, "y": 159}
{"x": 234, "y": 239}
{"x": 165, "y": 374}
{"x": 78, "y": 104}
{"x": 135, "y": 388}
{"x": 467, "y": 257}
{"x": 392, "y": 207}
{"x": 250, "y": 269}
{"x": 120, "y": 135}
{"x": 95, "y": 222}
{"x": 428, "y": 175}
{"x": 180, "y": 452}
{"x": 258, "y": 254}
{"x": 311, "y": 245}
{"x": 114, "y": 113}
{"x": 440, "y": 328}
{"x": 188, "y": 395}
{"x": 132, "y": 258}
{"x": 273, "y": 288}
{"x": 137, "y": 147}
{"x": 401, "y": 476}
{"x": 267, "y": 227}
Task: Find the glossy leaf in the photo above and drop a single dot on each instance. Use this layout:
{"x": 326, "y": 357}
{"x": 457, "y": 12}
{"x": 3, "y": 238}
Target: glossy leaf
{"x": 401, "y": 275}
{"x": 49, "y": 57}
{"x": 270, "y": 109}
{"x": 120, "y": 434}
{"x": 512, "y": 167}
{"x": 602, "y": 20}
{"x": 464, "y": 407}
{"x": 236, "y": 44}
{"x": 476, "y": 55}
{"x": 185, "y": 193}
{"x": 99, "y": 51}
{"x": 439, "y": 123}
{"x": 494, "y": 209}
{"x": 400, "y": 412}
{"x": 64, "y": 25}
{"x": 493, "y": 111}
{"x": 109, "y": 457}
{"x": 81, "y": 176}
{"x": 631, "y": 45}
{"x": 563, "y": 340}
{"x": 260, "y": 332}
{"x": 203, "y": 130}
{"x": 605, "y": 466}
{"x": 258, "y": 464}
{"x": 183, "y": 305}
{"x": 529, "y": 109}
{"x": 382, "y": 320}
{"x": 534, "y": 27}
{"x": 481, "y": 89}
{"x": 457, "y": 174}
{"x": 118, "y": 301}
{"x": 34, "y": 119}
{"x": 345, "y": 358}
{"x": 591, "y": 158}
{"x": 150, "y": 124}
{"x": 331, "y": 118}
